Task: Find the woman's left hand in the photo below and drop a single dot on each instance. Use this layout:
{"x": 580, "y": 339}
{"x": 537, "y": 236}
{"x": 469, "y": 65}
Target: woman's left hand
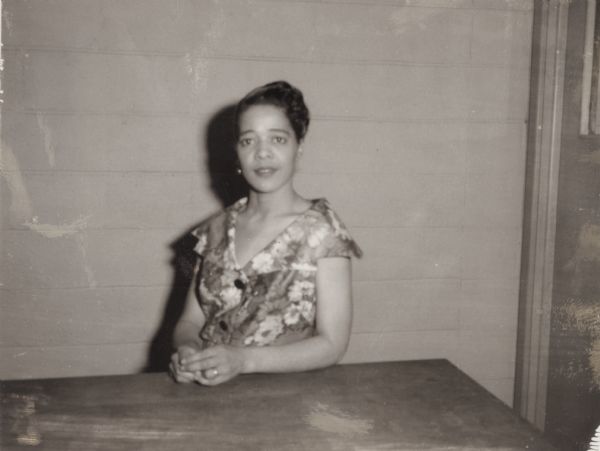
{"x": 215, "y": 365}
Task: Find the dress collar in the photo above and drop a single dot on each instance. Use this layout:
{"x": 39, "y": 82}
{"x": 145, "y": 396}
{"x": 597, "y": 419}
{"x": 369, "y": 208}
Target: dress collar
{"x": 231, "y": 220}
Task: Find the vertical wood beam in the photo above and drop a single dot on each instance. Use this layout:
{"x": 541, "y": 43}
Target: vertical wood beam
{"x": 537, "y": 262}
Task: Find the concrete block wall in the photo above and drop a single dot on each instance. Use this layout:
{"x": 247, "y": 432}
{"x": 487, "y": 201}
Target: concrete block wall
{"x": 417, "y": 139}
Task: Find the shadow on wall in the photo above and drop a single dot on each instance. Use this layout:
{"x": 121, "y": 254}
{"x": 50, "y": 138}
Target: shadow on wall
{"x": 228, "y": 187}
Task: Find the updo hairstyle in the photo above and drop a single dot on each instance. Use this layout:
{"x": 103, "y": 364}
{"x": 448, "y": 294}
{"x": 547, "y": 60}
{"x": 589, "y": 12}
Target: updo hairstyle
{"x": 283, "y": 95}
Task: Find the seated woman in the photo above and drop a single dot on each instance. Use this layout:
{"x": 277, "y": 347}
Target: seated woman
{"x": 273, "y": 279}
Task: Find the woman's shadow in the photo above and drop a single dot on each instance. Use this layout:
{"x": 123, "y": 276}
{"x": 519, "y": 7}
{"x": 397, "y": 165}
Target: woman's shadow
{"x": 228, "y": 187}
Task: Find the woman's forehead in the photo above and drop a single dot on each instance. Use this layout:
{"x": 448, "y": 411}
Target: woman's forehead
{"x": 264, "y": 117}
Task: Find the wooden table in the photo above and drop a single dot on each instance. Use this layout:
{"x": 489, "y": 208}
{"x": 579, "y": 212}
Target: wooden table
{"x": 379, "y": 406}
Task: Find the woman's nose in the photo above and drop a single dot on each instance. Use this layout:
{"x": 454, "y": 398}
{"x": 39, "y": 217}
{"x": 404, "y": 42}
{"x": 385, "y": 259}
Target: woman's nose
{"x": 263, "y": 151}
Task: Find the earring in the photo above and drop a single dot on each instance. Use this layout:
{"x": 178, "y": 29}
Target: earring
{"x": 239, "y": 171}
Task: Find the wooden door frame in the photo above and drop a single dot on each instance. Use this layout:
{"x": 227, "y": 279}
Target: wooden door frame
{"x": 540, "y": 207}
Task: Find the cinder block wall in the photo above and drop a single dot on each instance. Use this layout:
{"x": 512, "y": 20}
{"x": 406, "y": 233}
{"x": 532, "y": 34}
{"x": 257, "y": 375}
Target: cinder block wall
{"x": 417, "y": 139}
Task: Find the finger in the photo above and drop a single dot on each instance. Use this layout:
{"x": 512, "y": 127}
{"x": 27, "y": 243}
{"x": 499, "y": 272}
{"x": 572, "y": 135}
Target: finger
{"x": 176, "y": 360}
{"x": 186, "y": 354}
{"x": 185, "y": 378}
{"x": 180, "y": 376}
{"x": 200, "y": 355}
{"x": 202, "y": 379}
{"x": 187, "y": 351}
{"x": 201, "y": 365}
{"x": 174, "y": 365}
{"x": 173, "y": 369}
{"x": 212, "y": 373}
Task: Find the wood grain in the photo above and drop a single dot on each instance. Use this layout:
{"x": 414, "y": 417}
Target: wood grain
{"x": 382, "y": 406}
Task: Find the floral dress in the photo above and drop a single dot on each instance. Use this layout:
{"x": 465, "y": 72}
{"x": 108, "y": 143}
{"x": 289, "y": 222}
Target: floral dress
{"x": 272, "y": 299}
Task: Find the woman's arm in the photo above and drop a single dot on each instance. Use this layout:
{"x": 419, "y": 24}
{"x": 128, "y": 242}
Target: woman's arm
{"x": 190, "y": 324}
{"x": 186, "y": 338}
{"x": 334, "y": 320}
{"x": 326, "y": 347}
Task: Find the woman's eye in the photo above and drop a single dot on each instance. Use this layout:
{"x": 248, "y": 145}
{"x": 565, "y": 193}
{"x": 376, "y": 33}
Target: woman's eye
{"x": 280, "y": 139}
{"x": 245, "y": 142}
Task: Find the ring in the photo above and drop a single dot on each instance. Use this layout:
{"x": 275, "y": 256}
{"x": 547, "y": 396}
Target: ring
{"x": 215, "y": 372}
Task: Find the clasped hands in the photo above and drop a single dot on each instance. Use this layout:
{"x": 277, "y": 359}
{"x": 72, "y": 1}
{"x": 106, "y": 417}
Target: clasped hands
{"x": 210, "y": 366}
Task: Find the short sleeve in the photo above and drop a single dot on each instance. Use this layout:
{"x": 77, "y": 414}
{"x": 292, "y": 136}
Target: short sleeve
{"x": 201, "y": 234}
{"x": 209, "y": 233}
{"x": 337, "y": 241}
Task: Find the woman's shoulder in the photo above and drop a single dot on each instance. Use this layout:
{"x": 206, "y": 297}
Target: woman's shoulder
{"x": 214, "y": 226}
{"x": 323, "y": 217}
{"x": 322, "y": 212}
{"x": 217, "y": 218}
{"x": 207, "y": 224}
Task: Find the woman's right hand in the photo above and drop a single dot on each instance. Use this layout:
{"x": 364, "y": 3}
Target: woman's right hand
{"x": 176, "y": 368}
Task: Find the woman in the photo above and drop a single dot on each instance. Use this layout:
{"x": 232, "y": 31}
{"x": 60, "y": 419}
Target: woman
{"x": 273, "y": 280}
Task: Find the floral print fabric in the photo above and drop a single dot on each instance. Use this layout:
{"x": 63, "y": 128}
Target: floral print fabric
{"x": 272, "y": 299}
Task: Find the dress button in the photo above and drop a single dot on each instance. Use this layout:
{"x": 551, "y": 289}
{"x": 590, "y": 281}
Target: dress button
{"x": 239, "y": 284}
{"x": 223, "y": 325}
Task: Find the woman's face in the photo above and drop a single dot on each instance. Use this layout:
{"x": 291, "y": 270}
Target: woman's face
{"x": 267, "y": 148}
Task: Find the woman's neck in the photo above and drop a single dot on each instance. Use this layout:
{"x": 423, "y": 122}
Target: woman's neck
{"x": 267, "y": 205}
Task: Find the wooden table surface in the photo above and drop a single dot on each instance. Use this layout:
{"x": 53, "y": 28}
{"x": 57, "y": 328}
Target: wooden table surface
{"x": 378, "y": 406}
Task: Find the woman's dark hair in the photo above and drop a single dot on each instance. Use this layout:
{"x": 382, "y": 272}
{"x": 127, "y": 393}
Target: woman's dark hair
{"x": 282, "y": 95}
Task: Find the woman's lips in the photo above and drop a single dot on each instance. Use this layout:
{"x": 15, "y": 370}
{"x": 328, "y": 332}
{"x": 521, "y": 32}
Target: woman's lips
{"x": 264, "y": 172}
